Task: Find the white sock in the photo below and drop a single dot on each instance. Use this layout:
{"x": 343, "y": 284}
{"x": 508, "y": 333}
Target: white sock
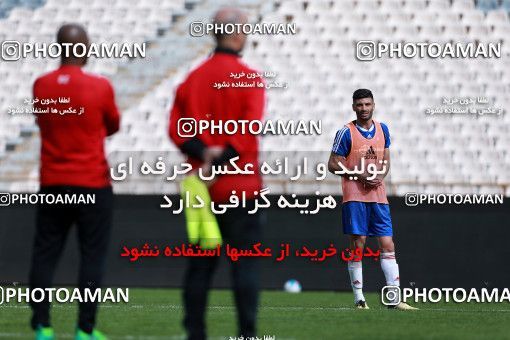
{"x": 390, "y": 269}
{"x": 356, "y": 275}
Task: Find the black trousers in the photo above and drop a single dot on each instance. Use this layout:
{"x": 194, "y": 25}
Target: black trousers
{"x": 239, "y": 229}
{"x": 53, "y": 223}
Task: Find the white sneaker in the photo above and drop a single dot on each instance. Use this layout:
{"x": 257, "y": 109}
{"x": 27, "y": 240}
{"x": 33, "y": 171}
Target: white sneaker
{"x": 403, "y": 306}
{"x": 362, "y": 305}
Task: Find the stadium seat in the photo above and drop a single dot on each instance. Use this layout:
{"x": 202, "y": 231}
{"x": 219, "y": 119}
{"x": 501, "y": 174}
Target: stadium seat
{"x": 433, "y": 164}
{"x": 487, "y": 5}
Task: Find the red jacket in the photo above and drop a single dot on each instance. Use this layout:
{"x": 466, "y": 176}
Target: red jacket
{"x": 72, "y": 144}
{"x": 197, "y": 98}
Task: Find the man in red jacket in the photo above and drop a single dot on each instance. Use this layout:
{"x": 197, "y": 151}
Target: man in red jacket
{"x": 199, "y": 99}
{"x": 73, "y": 162}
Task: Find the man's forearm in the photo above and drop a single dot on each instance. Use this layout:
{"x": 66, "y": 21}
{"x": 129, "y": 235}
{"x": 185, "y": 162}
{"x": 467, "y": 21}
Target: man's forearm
{"x": 194, "y": 148}
{"x": 387, "y": 165}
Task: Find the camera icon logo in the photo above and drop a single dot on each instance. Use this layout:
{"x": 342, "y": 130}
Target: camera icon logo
{"x": 391, "y": 295}
{"x": 197, "y": 29}
{"x": 5, "y": 199}
{"x": 411, "y": 199}
{"x": 187, "y": 127}
{"x": 11, "y": 50}
{"x": 365, "y": 50}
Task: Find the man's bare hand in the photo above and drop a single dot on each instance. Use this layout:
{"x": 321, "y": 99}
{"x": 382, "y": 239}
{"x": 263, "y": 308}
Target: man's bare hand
{"x": 370, "y": 183}
{"x": 210, "y": 154}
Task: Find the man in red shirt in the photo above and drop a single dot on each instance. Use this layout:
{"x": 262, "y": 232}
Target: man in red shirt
{"x": 198, "y": 98}
{"x": 81, "y": 114}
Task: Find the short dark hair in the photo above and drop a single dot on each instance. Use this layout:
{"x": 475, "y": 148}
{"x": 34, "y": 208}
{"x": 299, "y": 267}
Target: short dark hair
{"x": 362, "y": 93}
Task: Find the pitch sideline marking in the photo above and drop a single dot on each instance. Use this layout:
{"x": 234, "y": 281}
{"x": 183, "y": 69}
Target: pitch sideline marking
{"x": 289, "y": 308}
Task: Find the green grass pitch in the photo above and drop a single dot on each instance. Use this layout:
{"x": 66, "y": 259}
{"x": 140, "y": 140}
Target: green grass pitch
{"x": 156, "y": 314}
